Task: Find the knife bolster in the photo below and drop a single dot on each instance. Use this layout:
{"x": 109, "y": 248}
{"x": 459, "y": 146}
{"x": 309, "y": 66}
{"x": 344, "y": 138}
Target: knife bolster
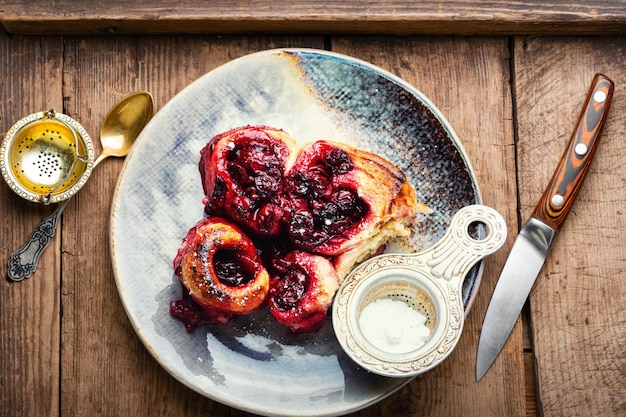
{"x": 539, "y": 234}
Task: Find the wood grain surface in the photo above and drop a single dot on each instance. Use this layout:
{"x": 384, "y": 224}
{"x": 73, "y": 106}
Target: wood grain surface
{"x": 578, "y": 324}
{"x": 30, "y": 314}
{"x": 397, "y": 17}
{"x": 68, "y": 349}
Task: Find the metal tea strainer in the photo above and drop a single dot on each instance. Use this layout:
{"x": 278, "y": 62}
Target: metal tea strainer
{"x": 429, "y": 282}
{"x": 46, "y": 157}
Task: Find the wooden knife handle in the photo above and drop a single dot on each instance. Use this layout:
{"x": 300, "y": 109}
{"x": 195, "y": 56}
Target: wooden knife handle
{"x": 559, "y": 196}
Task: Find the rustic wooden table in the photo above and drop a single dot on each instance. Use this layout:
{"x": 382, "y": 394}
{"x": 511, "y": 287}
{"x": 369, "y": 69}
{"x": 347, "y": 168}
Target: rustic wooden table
{"x": 512, "y": 87}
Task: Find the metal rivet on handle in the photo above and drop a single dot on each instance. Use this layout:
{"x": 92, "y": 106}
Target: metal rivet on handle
{"x": 580, "y": 149}
{"x": 557, "y": 200}
{"x": 599, "y": 96}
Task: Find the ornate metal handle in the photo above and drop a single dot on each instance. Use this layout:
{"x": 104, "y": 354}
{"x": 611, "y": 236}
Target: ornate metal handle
{"x": 23, "y": 262}
{"x": 454, "y": 255}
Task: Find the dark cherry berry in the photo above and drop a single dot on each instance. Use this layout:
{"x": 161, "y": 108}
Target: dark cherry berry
{"x": 190, "y": 313}
{"x": 338, "y": 162}
{"x": 269, "y": 219}
{"x": 303, "y": 231}
{"x": 238, "y": 174}
{"x": 267, "y": 186}
{"x": 313, "y": 183}
{"x": 290, "y": 288}
{"x": 299, "y": 183}
{"x": 229, "y": 269}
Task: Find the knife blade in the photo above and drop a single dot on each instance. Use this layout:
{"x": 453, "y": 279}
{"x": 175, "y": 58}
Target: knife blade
{"x": 533, "y": 243}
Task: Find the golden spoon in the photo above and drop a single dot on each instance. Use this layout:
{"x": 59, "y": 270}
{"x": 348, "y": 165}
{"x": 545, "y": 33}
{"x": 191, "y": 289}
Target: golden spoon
{"x": 120, "y": 128}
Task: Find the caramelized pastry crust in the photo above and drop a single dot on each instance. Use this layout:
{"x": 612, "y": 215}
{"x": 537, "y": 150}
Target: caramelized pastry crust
{"x": 221, "y": 269}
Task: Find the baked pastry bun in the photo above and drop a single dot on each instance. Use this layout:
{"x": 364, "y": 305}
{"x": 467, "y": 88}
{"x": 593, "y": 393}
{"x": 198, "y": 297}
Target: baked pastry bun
{"x": 220, "y": 268}
{"x": 302, "y": 291}
{"x": 242, "y": 177}
{"x": 306, "y": 214}
{"x": 346, "y": 203}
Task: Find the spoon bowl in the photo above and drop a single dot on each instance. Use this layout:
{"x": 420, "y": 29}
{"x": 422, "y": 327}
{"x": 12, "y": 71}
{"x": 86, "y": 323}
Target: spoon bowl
{"x": 429, "y": 282}
{"x": 123, "y": 123}
{"x": 120, "y": 128}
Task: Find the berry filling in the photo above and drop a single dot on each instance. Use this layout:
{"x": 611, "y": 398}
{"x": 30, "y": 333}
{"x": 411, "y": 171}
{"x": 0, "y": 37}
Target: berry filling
{"x": 189, "y": 312}
{"x": 290, "y": 288}
{"x": 308, "y": 217}
{"x": 325, "y": 203}
{"x": 230, "y": 269}
{"x": 242, "y": 173}
{"x": 302, "y": 291}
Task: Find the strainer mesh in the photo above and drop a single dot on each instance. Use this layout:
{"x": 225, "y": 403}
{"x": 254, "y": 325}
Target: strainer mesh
{"x": 409, "y": 293}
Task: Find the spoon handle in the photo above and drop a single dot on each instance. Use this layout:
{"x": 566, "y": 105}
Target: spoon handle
{"x": 23, "y": 262}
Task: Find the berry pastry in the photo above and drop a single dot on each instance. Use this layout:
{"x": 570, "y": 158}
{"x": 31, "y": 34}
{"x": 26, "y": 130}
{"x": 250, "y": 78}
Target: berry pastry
{"x": 309, "y": 216}
{"x": 302, "y": 291}
{"x": 242, "y": 176}
{"x": 220, "y": 268}
{"x": 346, "y": 203}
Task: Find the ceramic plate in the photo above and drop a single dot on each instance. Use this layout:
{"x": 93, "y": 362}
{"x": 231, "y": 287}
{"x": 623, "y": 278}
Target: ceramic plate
{"x": 254, "y": 364}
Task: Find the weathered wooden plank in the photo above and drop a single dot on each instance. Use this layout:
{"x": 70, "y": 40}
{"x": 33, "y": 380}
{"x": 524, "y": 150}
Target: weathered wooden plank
{"x": 468, "y": 80}
{"x": 529, "y": 365}
{"x": 29, "y": 310}
{"x": 104, "y": 365}
{"x": 460, "y": 17}
{"x": 531, "y": 388}
{"x": 579, "y": 330}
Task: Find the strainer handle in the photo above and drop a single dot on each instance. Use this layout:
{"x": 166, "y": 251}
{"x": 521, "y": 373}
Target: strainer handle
{"x": 23, "y": 262}
{"x": 457, "y": 252}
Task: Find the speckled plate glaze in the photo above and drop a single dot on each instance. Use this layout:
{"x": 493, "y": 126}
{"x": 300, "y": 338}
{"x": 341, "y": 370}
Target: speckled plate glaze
{"x": 254, "y": 364}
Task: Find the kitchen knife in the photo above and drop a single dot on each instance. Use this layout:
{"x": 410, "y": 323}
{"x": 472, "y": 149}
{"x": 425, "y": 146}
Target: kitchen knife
{"x": 536, "y": 237}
